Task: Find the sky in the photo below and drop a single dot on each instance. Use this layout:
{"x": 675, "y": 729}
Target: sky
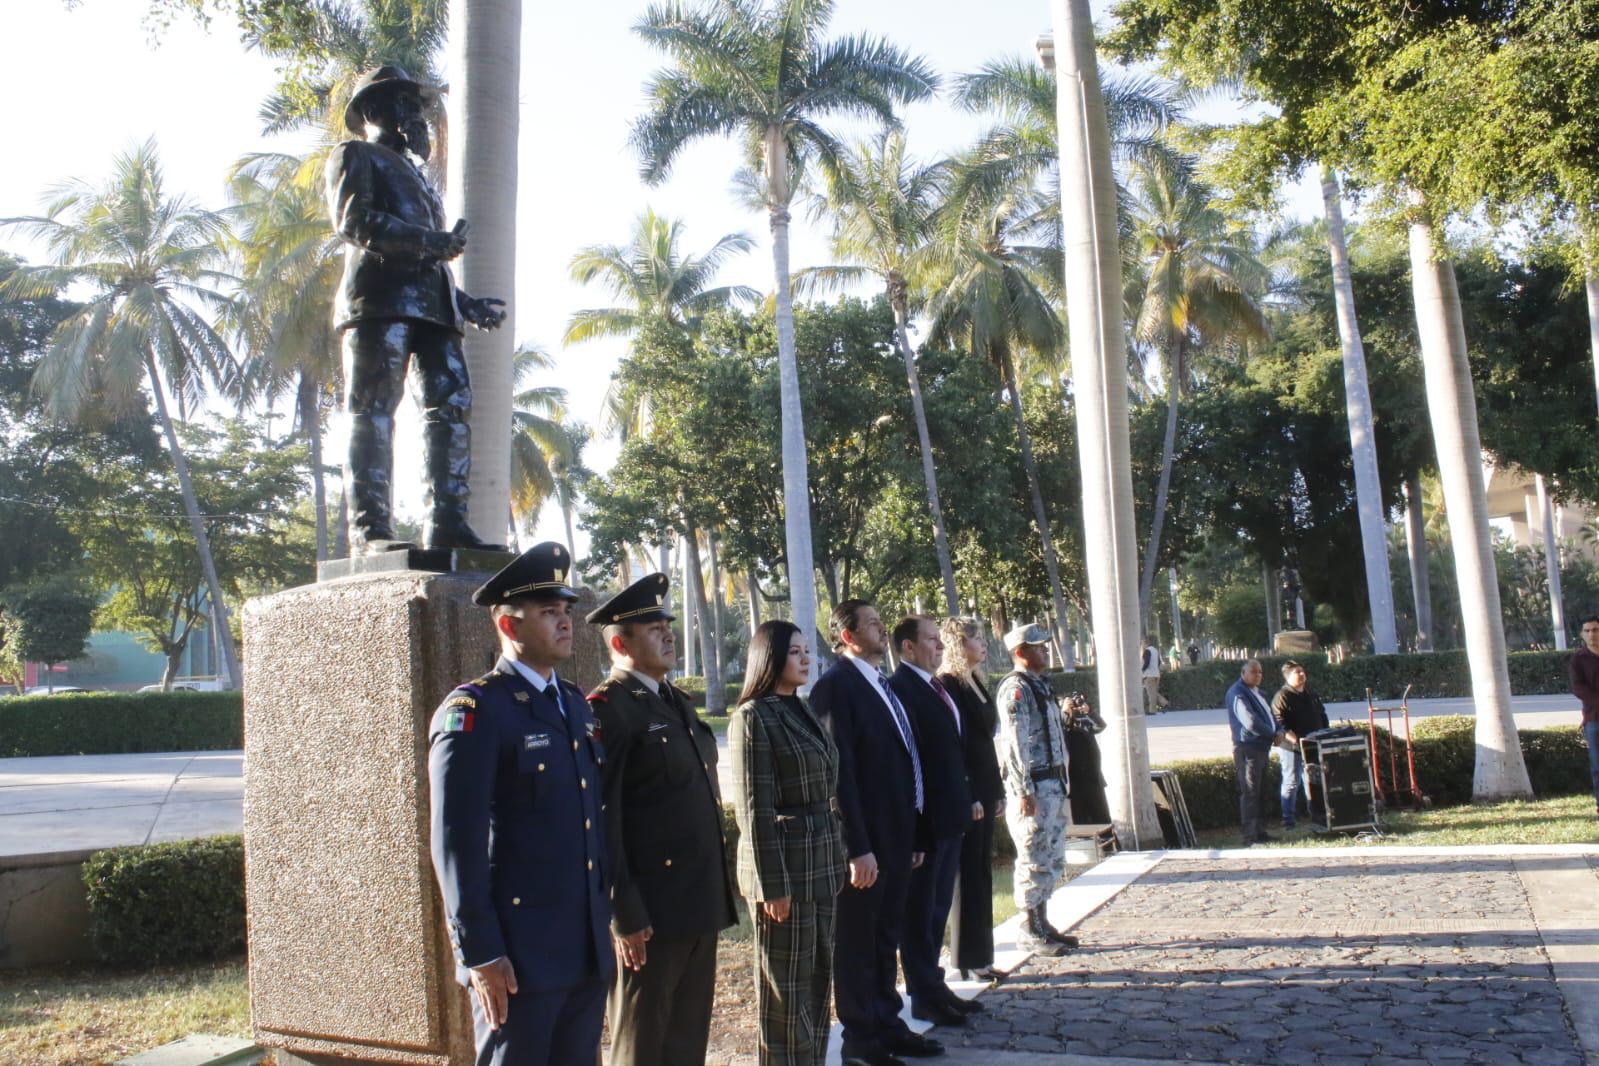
{"x": 196, "y": 92}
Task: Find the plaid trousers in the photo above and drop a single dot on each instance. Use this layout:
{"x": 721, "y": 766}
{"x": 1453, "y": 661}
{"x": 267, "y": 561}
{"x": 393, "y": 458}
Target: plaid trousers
{"x": 794, "y": 982}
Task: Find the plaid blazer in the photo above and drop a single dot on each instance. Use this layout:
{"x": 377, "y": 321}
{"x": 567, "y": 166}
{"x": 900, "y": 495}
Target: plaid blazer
{"x": 785, "y": 785}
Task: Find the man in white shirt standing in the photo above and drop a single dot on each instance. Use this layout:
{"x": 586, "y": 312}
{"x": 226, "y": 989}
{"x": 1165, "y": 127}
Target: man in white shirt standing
{"x": 1149, "y": 665}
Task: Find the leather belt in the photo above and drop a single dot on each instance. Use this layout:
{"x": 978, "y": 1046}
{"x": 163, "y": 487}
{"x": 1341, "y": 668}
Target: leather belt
{"x": 1048, "y": 773}
{"x": 810, "y": 813}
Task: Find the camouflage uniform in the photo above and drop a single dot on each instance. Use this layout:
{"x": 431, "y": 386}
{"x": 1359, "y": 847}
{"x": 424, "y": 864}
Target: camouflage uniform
{"x": 1033, "y": 763}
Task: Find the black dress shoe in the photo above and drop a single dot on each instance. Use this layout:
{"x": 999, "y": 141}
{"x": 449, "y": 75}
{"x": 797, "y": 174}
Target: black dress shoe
{"x": 913, "y": 1046}
{"x": 965, "y": 1006}
{"x": 938, "y": 1014}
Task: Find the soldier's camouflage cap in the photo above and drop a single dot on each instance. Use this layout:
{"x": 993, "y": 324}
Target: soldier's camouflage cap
{"x": 538, "y": 573}
{"x": 642, "y": 601}
{"x": 1025, "y": 635}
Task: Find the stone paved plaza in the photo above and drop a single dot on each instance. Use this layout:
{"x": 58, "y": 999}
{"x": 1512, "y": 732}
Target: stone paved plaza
{"x": 1329, "y": 959}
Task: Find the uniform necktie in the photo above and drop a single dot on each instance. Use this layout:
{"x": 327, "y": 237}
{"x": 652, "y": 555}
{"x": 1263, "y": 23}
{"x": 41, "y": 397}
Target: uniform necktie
{"x": 943, "y": 694}
{"x": 904, "y": 726}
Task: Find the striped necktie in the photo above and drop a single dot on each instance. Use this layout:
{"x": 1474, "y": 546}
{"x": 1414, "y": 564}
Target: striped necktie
{"x": 904, "y": 726}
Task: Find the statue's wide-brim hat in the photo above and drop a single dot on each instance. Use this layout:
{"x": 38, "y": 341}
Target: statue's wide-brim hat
{"x": 385, "y": 79}
{"x": 538, "y": 573}
{"x": 642, "y": 601}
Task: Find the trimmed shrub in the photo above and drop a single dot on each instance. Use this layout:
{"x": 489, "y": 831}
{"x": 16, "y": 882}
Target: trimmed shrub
{"x": 105, "y": 723}
{"x": 167, "y": 902}
{"x": 693, "y": 686}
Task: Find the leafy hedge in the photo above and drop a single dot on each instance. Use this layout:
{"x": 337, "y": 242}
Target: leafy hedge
{"x": 693, "y": 686}
{"x": 104, "y": 723}
{"x": 1430, "y": 674}
{"x": 167, "y": 902}
{"x": 1446, "y": 754}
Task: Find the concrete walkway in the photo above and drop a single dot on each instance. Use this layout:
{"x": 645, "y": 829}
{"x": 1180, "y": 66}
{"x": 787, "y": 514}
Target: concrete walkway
{"x": 73, "y": 803}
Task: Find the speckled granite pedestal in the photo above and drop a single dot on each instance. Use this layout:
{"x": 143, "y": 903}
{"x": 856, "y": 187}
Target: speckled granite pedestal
{"x": 349, "y": 962}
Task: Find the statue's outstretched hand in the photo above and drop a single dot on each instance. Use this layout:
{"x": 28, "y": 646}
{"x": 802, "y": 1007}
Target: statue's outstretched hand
{"x": 484, "y": 312}
{"x": 444, "y": 244}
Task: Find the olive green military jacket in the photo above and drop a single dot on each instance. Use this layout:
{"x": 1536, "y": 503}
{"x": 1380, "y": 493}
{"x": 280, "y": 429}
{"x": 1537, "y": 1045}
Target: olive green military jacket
{"x": 785, "y": 769}
{"x": 663, "y": 811}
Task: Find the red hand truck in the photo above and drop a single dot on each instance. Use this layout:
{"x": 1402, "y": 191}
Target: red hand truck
{"x": 1392, "y": 793}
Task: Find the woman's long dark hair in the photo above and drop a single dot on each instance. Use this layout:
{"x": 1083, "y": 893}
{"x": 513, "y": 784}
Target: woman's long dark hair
{"x": 768, "y": 655}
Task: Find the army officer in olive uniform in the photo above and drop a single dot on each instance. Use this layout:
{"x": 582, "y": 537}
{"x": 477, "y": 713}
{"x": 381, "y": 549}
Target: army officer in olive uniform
{"x": 672, "y": 890}
{"x": 518, "y": 837}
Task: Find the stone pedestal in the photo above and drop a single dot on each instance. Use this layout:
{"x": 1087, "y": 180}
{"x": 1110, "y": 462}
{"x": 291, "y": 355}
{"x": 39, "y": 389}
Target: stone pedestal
{"x": 348, "y": 957}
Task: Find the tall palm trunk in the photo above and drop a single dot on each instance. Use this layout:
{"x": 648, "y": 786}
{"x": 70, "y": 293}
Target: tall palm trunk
{"x": 1551, "y": 562}
{"x": 796, "y": 477}
{"x": 691, "y": 662}
{"x": 1030, "y": 465}
{"x": 1500, "y": 769}
{"x": 565, "y": 500}
{"x": 485, "y": 93}
{"x": 1590, "y": 282}
{"x": 1416, "y": 552}
{"x": 755, "y": 602}
{"x": 1099, "y": 379}
{"x": 1176, "y": 611}
{"x": 1362, "y": 437}
{"x": 946, "y": 569}
{"x": 709, "y": 647}
{"x": 1168, "y": 450}
{"x": 202, "y": 543}
{"x": 311, "y": 421}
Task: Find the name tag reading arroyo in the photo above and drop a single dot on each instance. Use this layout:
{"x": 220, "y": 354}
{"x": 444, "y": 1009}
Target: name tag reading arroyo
{"x": 534, "y": 741}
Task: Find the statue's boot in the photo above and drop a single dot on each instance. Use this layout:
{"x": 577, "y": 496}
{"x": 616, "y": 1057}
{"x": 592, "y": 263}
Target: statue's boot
{"x": 367, "y": 484}
{"x": 449, "y": 469}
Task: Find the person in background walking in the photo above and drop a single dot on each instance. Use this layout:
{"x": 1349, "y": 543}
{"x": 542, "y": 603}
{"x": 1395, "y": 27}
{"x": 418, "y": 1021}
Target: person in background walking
{"x": 971, "y": 938}
{"x": 1585, "y": 685}
{"x": 1298, "y": 711}
{"x": 1149, "y": 665}
{"x": 790, "y": 846}
{"x": 1254, "y": 732}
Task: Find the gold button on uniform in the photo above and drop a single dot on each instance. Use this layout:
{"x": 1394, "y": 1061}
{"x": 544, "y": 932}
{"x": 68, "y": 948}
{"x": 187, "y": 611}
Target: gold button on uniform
{"x": 574, "y": 745}
{"x": 583, "y": 782}
{"x": 591, "y": 864}
{"x": 516, "y": 901}
{"x": 668, "y": 862}
{"x": 585, "y": 823}
{"x": 541, "y": 768}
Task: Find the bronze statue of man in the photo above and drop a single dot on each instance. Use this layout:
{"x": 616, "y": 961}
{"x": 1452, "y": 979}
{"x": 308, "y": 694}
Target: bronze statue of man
{"x": 398, "y": 307}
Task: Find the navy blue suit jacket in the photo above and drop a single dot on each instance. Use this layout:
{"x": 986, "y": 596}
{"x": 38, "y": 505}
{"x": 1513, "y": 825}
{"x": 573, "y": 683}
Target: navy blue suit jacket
{"x": 948, "y": 804}
{"x": 517, "y": 833}
{"x": 876, "y": 783}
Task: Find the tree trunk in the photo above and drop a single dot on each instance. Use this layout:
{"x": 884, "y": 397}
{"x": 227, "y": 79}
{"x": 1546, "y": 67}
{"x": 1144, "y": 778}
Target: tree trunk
{"x": 341, "y": 531}
{"x": 174, "y": 665}
{"x": 1500, "y": 770}
{"x": 1274, "y": 618}
{"x": 1362, "y": 438}
{"x": 515, "y": 534}
{"x": 1099, "y": 383}
{"x": 754, "y": 590}
{"x": 946, "y": 569}
{"x": 311, "y": 423}
{"x": 484, "y": 102}
{"x": 1590, "y": 282}
{"x": 796, "y": 477}
{"x": 571, "y": 541}
{"x": 1176, "y": 611}
{"x": 1416, "y": 550}
{"x": 716, "y": 618}
{"x": 1551, "y": 562}
{"x": 1051, "y": 564}
{"x": 202, "y": 543}
{"x": 690, "y": 615}
{"x": 1174, "y": 381}
{"x": 709, "y": 648}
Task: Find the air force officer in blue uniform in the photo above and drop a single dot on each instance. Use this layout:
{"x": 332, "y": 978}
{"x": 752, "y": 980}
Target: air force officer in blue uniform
{"x": 518, "y": 835}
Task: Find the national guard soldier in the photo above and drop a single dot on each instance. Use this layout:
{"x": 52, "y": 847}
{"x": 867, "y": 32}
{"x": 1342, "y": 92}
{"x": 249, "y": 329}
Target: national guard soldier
{"x": 1033, "y": 763}
{"x": 672, "y": 891}
{"x": 514, "y": 769}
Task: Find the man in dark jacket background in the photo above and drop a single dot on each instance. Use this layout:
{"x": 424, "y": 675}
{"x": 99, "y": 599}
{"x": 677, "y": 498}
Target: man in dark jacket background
{"x": 1298, "y": 711}
{"x": 1584, "y": 672}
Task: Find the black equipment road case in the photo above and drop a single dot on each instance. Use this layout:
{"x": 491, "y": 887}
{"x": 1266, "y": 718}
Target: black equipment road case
{"x": 1338, "y": 780}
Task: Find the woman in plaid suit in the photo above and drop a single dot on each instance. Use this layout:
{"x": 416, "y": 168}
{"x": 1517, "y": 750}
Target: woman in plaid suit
{"x": 790, "y": 847}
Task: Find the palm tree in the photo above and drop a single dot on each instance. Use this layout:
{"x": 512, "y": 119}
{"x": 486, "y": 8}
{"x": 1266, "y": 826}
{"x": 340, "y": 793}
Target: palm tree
{"x": 570, "y": 477}
{"x": 657, "y": 281}
{"x": 143, "y": 260}
{"x": 764, "y": 71}
{"x": 884, "y": 206}
{"x": 290, "y": 263}
{"x": 1201, "y": 280}
{"x": 997, "y": 298}
{"x": 540, "y": 443}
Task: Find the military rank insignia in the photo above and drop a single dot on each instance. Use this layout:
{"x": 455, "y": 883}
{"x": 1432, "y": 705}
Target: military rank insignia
{"x": 520, "y": 696}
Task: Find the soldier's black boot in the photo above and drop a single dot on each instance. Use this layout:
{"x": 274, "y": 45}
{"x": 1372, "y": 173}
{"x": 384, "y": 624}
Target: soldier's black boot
{"x": 1035, "y": 935}
{"x": 367, "y": 484}
{"x": 449, "y": 467}
{"x": 1065, "y": 940}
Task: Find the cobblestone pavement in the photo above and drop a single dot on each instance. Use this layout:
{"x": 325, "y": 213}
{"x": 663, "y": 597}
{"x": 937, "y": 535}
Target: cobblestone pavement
{"x": 1272, "y": 959}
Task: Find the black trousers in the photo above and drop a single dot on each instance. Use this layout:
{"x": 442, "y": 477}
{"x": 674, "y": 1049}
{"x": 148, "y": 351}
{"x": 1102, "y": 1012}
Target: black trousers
{"x": 1087, "y": 784}
{"x": 971, "y": 934}
{"x": 926, "y": 913}
{"x": 552, "y": 1027}
{"x": 870, "y": 924}
{"x": 1250, "y": 764}
{"x": 377, "y": 355}
{"x": 661, "y": 1015}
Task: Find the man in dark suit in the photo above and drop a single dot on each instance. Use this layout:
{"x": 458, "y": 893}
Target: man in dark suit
{"x": 880, "y": 795}
{"x": 947, "y": 814}
{"x": 399, "y": 304}
{"x": 518, "y": 846}
{"x": 673, "y": 892}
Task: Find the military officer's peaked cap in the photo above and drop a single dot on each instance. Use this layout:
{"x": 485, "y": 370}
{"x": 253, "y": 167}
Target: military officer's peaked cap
{"x": 538, "y": 573}
{"x": 642, "y": 601}
{"x": 374, "y": 83}
{"x": 1025, "y": 635}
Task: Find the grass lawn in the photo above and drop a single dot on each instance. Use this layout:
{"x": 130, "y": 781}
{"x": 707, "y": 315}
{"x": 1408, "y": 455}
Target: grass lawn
{"x": 1557, "y": 820}
{"x": 85, "y": 1014}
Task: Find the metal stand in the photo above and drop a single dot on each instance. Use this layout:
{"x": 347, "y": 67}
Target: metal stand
{"x": 1394, "y": 794}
